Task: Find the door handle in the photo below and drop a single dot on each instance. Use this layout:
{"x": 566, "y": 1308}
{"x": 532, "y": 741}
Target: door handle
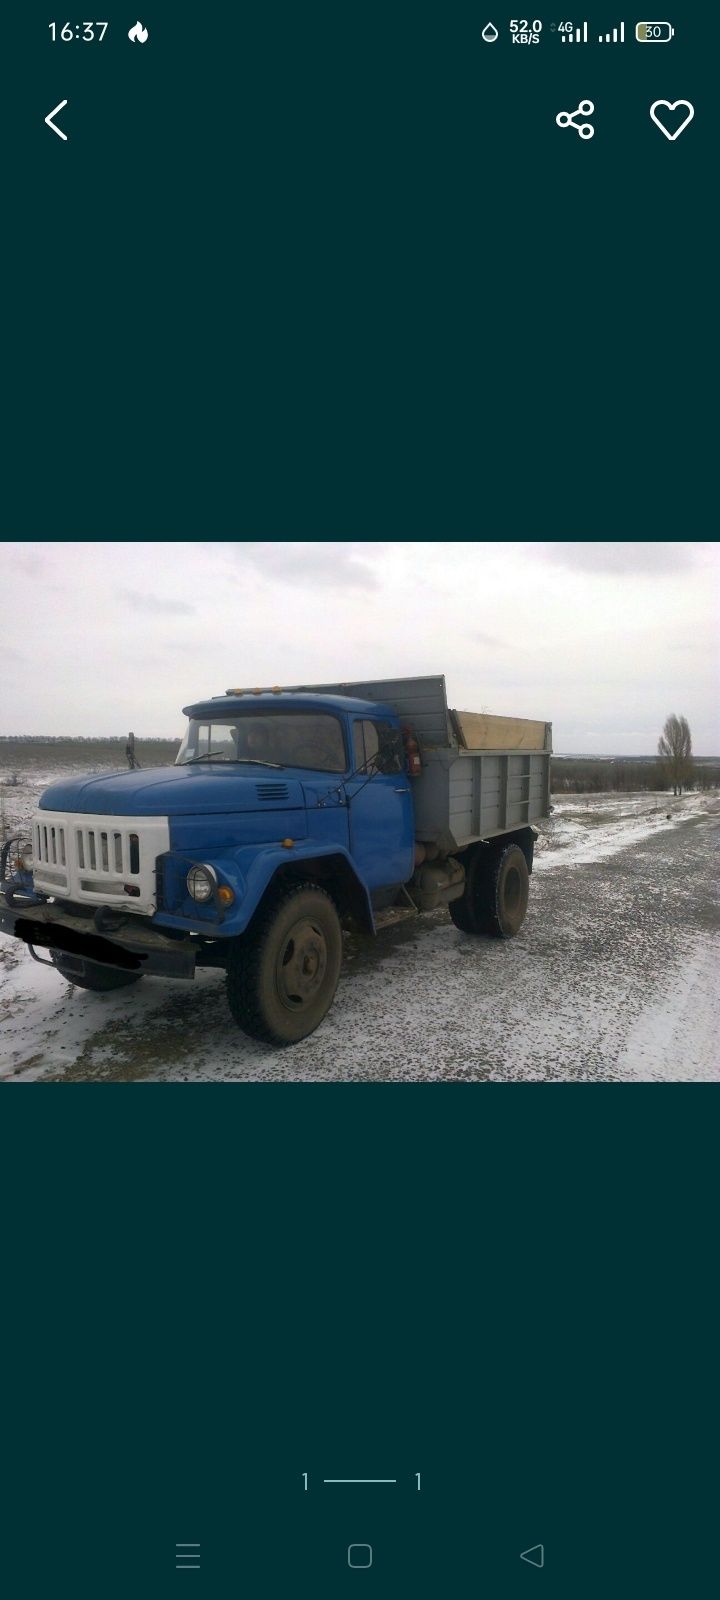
{"x": 402, "y": 791}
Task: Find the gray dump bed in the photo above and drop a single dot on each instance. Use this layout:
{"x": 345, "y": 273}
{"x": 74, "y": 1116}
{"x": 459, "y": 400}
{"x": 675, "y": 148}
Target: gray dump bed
{"x": 481, "y": 775}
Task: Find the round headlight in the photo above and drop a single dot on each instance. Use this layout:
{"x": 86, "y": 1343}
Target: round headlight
{"x": 201, "y": 883}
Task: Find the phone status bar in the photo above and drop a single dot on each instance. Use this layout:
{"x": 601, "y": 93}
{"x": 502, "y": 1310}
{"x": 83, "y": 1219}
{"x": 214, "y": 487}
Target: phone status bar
{"x": 527, "y": 31}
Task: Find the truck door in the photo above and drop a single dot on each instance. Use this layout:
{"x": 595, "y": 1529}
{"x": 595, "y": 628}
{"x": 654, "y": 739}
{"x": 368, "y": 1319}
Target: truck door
{"x": 382, "y": 826}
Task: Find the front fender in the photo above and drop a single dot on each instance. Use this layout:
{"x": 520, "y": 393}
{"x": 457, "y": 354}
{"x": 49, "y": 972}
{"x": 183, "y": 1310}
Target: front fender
{"x": 249, "y": 871}
{"x": 331, "y": 864}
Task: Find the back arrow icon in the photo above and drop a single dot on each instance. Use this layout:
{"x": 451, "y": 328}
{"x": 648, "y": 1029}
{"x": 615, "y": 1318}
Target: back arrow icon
{"x": 51, "y": 124}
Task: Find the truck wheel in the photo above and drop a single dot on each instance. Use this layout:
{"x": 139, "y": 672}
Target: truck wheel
{"x": 510, "y": 889}
{"x": 281, "y": 978}
{"x": 92, "y": 975}
{"x": 471, "y": 912}
{"x": 496, "y": 894}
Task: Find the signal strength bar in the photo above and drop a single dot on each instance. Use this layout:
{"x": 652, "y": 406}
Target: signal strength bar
{"x": 581, "y": 35}
{"x": 614, "y": 37}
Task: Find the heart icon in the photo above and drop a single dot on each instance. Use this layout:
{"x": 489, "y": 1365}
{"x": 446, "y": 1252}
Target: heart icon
{"x": 671, "y": 105}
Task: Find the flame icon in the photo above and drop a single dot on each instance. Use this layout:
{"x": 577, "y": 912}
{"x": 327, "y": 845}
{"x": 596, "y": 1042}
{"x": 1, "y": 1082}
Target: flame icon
{"x": 138, "y": 33}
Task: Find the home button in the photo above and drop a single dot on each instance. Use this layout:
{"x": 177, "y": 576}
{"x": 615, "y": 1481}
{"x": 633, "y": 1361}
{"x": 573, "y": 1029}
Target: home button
{"x": 360, "y": 1555}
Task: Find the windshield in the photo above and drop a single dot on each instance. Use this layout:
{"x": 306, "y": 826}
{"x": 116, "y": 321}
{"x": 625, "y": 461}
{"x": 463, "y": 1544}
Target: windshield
{"x": 277, "y": 739}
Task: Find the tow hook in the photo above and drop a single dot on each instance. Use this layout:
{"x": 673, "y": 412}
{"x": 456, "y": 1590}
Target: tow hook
{"x": 107, "y": 921}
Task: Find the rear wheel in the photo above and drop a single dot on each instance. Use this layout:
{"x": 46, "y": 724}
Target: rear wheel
{"x": 470, "y": 913}
{"x": 512, "y": 890}
{"x": 497, "y": 889}
{"x": 90, "y": 974}
{"x": 282, "y": 977}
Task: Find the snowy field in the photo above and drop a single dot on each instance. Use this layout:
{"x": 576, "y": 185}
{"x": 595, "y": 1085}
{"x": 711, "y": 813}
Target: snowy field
{"x": 613, "y": 977}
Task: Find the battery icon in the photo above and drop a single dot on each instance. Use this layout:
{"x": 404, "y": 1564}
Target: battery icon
{"x": 653, "y": 32}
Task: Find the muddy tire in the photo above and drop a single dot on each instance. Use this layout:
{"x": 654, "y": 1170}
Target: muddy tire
{"x": 495, "y": 901}
{"x": 471, "y": 912}
{"x": 282, "y": 977}
{"x": 511, "y": 885}
{"x": 91, "y": 975}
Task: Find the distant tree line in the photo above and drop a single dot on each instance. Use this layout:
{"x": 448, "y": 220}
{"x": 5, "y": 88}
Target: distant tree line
{"x": 592, "y": 777}
{"x": 24, "y": 753}
{"x": 81, "y": 738}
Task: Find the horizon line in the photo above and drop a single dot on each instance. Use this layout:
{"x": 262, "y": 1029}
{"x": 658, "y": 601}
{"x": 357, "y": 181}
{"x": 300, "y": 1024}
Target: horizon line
{"x": 163, "y": 738}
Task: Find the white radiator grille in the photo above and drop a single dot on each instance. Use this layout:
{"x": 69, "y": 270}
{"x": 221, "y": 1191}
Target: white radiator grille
{"x": 102, "y": 860}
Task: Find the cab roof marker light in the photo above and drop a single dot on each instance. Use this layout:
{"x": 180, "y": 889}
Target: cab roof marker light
{"x": 275, "y": 688}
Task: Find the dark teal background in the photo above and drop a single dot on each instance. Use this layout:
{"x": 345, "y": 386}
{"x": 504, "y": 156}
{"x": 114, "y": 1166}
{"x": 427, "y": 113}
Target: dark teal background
{"x": 510, "y": 1290}
{"x": 333, "y": 270}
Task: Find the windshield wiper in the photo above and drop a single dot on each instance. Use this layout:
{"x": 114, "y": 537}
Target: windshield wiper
{"x": 231, "y": 761}
{"x": 254, "y": 761}
{"x": 212, "y": 755}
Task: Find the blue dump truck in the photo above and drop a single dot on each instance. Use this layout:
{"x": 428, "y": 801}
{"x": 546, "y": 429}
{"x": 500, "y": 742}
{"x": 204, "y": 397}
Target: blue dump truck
{"x": 288, "y": 813}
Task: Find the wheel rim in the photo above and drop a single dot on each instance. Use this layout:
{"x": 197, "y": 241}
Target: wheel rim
{"x": 301, "y": 965}
{"x": 512, "y": 891}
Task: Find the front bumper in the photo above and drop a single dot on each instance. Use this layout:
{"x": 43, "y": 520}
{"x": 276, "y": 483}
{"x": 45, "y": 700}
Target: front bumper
{"x": 132, "y": 946}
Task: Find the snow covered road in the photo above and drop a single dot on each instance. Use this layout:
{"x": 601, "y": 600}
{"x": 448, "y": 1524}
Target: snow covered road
{"x": 613, "y": 977}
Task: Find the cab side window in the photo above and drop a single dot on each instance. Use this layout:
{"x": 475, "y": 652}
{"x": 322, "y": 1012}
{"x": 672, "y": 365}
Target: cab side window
{"x": 391, "y": 755}
{"x": 365, "y": 744}
{"x": 377, "y": 740}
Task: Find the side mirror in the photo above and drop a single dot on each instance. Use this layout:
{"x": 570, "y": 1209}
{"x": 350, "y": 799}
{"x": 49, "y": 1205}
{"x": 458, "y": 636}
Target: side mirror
{"x": 391, "y": 753}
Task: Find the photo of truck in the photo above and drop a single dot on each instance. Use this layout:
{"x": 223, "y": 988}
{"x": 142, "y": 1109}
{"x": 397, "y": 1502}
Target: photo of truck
{"x": 289, "y": 813}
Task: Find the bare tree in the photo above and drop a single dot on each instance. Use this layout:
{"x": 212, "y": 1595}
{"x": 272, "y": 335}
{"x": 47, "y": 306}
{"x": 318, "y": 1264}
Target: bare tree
{"x": 675, "y": 751}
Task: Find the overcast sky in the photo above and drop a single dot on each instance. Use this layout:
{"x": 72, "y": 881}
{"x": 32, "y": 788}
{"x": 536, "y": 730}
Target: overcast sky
{"x": 601, "y": 639}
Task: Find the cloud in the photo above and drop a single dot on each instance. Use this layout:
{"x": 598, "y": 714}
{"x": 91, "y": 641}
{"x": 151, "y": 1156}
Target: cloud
{"x": 157, "y": 604}
{"x": 492, "y": 643}
{"x": 613, "y": 556}
{"x": 24, "y": 558}
{"x": 329, "y": 566}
